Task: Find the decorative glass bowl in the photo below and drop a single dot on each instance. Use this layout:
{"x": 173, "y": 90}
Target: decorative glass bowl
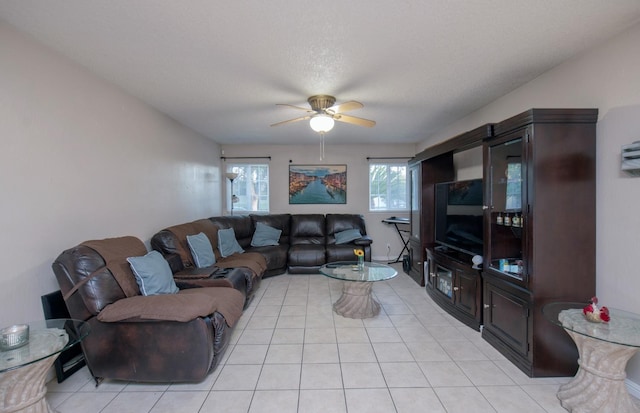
{"x": 14, "y": 336}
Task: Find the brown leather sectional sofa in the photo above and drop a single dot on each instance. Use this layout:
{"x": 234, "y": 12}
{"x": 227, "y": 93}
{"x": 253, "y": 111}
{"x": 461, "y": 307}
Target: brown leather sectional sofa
{"x": 181, "y": 337}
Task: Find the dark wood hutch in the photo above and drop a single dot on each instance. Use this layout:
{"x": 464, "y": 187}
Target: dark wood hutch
{"x": 539, "y": 233}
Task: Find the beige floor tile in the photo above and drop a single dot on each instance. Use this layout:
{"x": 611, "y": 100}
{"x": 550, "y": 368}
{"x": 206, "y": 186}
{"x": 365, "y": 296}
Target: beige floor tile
{"x": 444, "y": 374}
{"x": 383, "y": 335}
{"x": 506, "y": 399}
{"x": 227, "y": 401}
{"x": 464, "y": 400}
{"x": 257, "y": 321}
{"x": 389, "y": 352}
{"x": 322, "y": 401}
{"x": 403, "y": 375}
{"x": 362, "y": 376}
{"x": 546, "y": 396}
{"x": 484, "y": 373}
{"x": 422, "y": 400}
{"x": 320, "y": 335}
{"x": 290, "y": 310}
{"x": 86, "y": 402}
{"x": 271, "y": 401}
{"x": 284, "y": 354}
{"x": 132, "y": 402}
{"x": 320, "y": 353}
{"x": 256, "y": 336}
{"x": 462, "y": 350}
{"x": 356, "y": 352}
{"x": 238, "y": 377}
{"x": 279, "y": 377}
{"x": 321, "y": 376}
{"x": 288, "y": 336}
{"x": 369, "y": 401}
{"x": 184, "y": 402}
{"x": 248, "y": 354}
{"x": 352, "y": 335}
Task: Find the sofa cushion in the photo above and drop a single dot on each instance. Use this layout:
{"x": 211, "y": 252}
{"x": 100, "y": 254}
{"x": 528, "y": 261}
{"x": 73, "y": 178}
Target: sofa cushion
{"x": 153, "y": 274}
{"x": 344, "y": 237}
{"x": 227, "y": 242}
{"x": 185, "y": 306}
{"x": 201, "y": 250}
{"x": 265, "y": 235}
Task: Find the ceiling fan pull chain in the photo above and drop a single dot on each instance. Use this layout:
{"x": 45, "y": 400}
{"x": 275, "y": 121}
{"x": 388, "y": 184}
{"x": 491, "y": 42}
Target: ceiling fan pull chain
{"x": 321, "y": 146}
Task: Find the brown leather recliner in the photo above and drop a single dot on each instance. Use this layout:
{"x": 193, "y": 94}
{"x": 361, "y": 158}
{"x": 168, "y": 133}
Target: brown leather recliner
{"x": 161, "y": 338}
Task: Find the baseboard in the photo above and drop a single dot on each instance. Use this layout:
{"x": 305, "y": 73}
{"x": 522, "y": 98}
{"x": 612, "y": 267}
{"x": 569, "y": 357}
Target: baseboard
{"x": 633, "y": 388}
{"x": 383, "y": 258}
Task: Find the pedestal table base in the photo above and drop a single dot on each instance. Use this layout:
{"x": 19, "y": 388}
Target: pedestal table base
{"x": 23, "y": 390}
{"x": 599, "y": 383}
{"x": 356, "y": 301}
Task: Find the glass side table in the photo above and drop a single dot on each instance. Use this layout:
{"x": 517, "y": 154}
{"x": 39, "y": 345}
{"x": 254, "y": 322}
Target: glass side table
{"x": 23, "y": 370}
{"x": 604, "y": 350}
{"x": 356, "y": 300}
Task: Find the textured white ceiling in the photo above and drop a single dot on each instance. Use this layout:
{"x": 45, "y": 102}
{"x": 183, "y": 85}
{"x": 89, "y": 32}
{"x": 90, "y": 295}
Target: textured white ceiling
{"x": 220, "y": 67}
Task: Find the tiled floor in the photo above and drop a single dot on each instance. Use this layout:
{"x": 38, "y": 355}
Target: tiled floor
{"x": 291, "y": 353}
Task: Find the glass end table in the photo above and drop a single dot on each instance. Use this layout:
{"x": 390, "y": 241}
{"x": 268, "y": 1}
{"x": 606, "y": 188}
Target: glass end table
{"x": 356, "y": 300}
{"x": 604, "y": 350}
{"x": 23, "y": 370}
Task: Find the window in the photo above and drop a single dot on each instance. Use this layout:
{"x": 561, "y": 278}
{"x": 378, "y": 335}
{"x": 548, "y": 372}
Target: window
{"x": 388, "y": 187}
{"x": 250, "y": 188}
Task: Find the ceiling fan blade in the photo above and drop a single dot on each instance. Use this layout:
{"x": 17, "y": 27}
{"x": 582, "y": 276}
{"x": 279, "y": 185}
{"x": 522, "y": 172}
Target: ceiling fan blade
{"x": 296, "y": 107}
{"x": 345, "y": 107}
{"x": 355, "y": 121}
{"x": 291, "y": 120}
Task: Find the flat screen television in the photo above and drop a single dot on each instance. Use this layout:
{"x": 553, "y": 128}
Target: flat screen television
{"x": 458, "y": 216}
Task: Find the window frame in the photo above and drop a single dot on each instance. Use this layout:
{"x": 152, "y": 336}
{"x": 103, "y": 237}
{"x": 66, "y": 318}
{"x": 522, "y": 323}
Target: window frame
{"x": 249, "y": 186}
{"x": 389, "y": 189}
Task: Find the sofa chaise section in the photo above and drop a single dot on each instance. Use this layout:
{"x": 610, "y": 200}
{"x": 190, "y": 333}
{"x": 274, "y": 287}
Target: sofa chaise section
{"x": 157, "y": 338}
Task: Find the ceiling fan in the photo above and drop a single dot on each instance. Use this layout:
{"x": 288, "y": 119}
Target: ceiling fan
{"x": 324, "y": 112}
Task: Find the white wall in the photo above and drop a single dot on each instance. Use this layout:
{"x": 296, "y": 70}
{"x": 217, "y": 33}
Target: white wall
{"x": 82, "y": 160}
{"x": 605, "y": 78}
{"x": 354, "y": 156}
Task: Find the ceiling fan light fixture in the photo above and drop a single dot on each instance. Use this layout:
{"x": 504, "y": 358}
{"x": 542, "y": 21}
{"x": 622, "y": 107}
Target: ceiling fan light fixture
{"x": 321, "y": 123}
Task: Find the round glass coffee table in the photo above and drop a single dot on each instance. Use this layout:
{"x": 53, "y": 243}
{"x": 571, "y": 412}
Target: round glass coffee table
{"x": 23, "y": 370}
{"x": 604, "y": 349}
{"x": 356, "y": 300}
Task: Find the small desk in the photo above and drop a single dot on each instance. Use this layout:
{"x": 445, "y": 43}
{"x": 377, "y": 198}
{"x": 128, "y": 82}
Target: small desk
{"x": 356, "y": 300}
{"x": 23, "y": 370}
{"x": 604, "y": 349}
{"x": 395, "y": 222}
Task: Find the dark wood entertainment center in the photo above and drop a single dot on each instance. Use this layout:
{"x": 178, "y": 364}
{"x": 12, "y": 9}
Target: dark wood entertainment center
{"x": 538, "y": 233}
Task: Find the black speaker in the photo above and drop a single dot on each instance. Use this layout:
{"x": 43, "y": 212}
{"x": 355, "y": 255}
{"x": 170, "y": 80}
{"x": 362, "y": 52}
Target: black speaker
{"x": 406, "y": 263}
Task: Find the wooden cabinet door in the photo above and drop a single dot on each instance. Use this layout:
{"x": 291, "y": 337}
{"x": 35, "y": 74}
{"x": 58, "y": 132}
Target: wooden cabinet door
{"x": 506, "y": 315}
{"x": 466, "y": 290}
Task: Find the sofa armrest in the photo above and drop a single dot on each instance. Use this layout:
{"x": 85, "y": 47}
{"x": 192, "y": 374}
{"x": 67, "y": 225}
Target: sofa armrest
{"x": 168, "y": 307}
{"x": 365, "y": 240}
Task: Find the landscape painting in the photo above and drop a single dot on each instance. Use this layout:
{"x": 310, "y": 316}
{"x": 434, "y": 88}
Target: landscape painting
{"x": 317, "y": 184}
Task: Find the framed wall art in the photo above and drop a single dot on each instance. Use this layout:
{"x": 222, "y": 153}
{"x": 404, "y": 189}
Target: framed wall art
{"x": 317, "y": 184}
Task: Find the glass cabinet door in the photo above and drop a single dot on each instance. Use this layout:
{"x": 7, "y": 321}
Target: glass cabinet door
{"x": 505, "y": 216}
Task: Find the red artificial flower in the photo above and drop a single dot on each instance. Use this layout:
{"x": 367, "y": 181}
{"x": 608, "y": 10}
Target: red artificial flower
{"x": 587, "y": 309}
{"x": 604, "y": 314}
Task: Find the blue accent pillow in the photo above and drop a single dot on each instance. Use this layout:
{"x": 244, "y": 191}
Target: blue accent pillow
{"x": 201, "y": 250}
{"x": 347, "y": 236}
{"x": 227, "y": 242}
{"x": 265, "y": 235}
{"x": 153, "y": 274}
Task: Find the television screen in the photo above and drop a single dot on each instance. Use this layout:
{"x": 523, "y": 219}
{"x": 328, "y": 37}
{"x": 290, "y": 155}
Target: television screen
{"x": 458, "y": 216}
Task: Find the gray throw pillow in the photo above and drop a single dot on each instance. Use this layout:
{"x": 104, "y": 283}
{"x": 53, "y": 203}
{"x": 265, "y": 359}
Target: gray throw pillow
{"x": 153, "y": 274}
{"x": 227, "y": 242}
{"x": 265, "y": 235}
{"x": 347, "y": 236}
{"x": 201, "y": 250}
